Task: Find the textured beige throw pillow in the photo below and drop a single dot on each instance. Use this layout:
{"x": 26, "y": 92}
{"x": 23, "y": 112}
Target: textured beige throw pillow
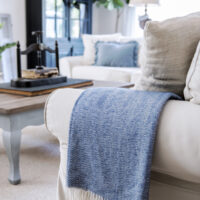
{"x": 169, "y": 48}
{"x": 192, "y": 88}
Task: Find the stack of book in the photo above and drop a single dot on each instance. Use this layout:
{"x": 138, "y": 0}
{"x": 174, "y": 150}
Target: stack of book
{"x": 46, "y": 72}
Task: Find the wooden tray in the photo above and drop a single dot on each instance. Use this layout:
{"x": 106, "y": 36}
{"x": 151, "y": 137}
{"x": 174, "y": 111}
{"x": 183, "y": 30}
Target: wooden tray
{"x": 40, "y": 90}
{"x": 29, "y": 83}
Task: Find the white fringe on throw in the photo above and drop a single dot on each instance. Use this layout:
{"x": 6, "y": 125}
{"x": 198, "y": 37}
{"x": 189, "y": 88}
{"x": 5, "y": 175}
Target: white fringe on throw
{"x": 65, "y": 193}
{"x": 78, "y": 194}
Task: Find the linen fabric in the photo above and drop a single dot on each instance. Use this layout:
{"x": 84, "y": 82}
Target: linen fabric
{"x": 111, "y": 140}
{"x": 115, "y": 54}
{"x": 169, "y": 48}
{"x": 89, "y": 42}
{"x": 192, "y": 88}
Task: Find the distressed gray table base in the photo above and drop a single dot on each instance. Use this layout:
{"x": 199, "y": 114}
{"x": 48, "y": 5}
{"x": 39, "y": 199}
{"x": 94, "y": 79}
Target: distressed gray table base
{"x": 12, "y": 142}
{"x": 12, "y": 125}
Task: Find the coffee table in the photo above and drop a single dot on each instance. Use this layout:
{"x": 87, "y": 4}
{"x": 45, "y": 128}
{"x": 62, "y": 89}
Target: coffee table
{"x": 17, "y": 112}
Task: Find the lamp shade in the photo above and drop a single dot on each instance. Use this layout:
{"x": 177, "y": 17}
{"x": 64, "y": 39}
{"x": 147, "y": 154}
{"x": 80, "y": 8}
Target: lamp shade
{"x": 142, "y": 2}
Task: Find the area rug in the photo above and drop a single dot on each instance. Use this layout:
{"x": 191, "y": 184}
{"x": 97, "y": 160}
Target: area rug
{"x": 39, "y": 163}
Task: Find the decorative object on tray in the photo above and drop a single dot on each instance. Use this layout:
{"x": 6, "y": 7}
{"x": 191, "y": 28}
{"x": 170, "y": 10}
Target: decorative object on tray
{"x": 46, "y": 72}
{"x": 41, "y": 80}
{"x": 41, "y": 75}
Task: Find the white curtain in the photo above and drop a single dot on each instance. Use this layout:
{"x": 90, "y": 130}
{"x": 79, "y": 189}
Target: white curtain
{"x": 8, "y": 63}
{"x": 128, "y": 20}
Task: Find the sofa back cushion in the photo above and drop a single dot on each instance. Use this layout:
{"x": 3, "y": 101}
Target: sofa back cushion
{"x": 192, "y": 88}
{"x": 89, "y": 42}
{"x": 116, "y": 54}
{"x": 169, "y": 48}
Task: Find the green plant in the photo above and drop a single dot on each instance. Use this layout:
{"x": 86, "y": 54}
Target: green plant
{"x": 6, "y": 46}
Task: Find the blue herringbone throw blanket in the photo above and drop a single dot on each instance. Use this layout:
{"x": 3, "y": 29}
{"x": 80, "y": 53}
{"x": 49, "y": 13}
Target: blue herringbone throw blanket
{"x": 111, "y": 139}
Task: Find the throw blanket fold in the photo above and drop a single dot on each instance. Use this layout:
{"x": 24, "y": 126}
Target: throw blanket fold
{"x": 111, "y": 140}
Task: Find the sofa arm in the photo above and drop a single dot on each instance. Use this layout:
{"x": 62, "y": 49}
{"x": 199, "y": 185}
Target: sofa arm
{"x": 67, "y": 63}
{"x": 58, "y": 110}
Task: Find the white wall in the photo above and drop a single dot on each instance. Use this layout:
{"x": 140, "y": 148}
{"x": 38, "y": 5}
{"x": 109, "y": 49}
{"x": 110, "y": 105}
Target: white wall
{"x": 16, "y": 8}
{"x": 167, "y": 9}
{"x": 104, "y": 21}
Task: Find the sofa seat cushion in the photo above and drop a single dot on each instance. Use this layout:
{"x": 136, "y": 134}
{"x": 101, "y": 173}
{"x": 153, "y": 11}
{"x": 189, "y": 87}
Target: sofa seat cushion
{"x": 177, "y": 147}
{"x": 104, "y": 73}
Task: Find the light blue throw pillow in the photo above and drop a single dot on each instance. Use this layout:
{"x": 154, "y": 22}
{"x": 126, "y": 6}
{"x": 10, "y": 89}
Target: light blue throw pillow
{"x": 116, "y": 54}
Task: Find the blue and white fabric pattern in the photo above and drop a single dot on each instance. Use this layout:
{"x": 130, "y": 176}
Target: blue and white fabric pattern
{"x": 116, "y": 54}
{"x": 111, "y": 141}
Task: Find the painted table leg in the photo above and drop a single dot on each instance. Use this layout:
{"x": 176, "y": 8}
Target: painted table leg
{"x": 12, "y": 140}
{"x": 12, "y": 125}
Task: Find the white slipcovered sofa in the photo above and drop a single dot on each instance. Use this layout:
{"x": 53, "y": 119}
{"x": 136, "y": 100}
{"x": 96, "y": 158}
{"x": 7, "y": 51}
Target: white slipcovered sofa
{"x": 77, "y": 67}
{"x": 176, "y": 160}
{"x": 82, "y": 66}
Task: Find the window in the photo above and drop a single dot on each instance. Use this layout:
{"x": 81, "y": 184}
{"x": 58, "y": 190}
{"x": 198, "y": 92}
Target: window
{"x": 55, "y": 19}
{"x": 62, "y": 20}
{"x": 59, "y": 16}
{"x": 166, "y": 9}
{"x": 65, "y": 21}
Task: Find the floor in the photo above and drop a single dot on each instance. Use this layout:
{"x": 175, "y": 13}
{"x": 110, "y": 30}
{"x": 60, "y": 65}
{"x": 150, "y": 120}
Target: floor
{"x": 39, "y": 167}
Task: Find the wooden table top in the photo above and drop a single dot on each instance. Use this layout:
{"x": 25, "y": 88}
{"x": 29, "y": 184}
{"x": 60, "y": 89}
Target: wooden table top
{"x": 10, "y": 104}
